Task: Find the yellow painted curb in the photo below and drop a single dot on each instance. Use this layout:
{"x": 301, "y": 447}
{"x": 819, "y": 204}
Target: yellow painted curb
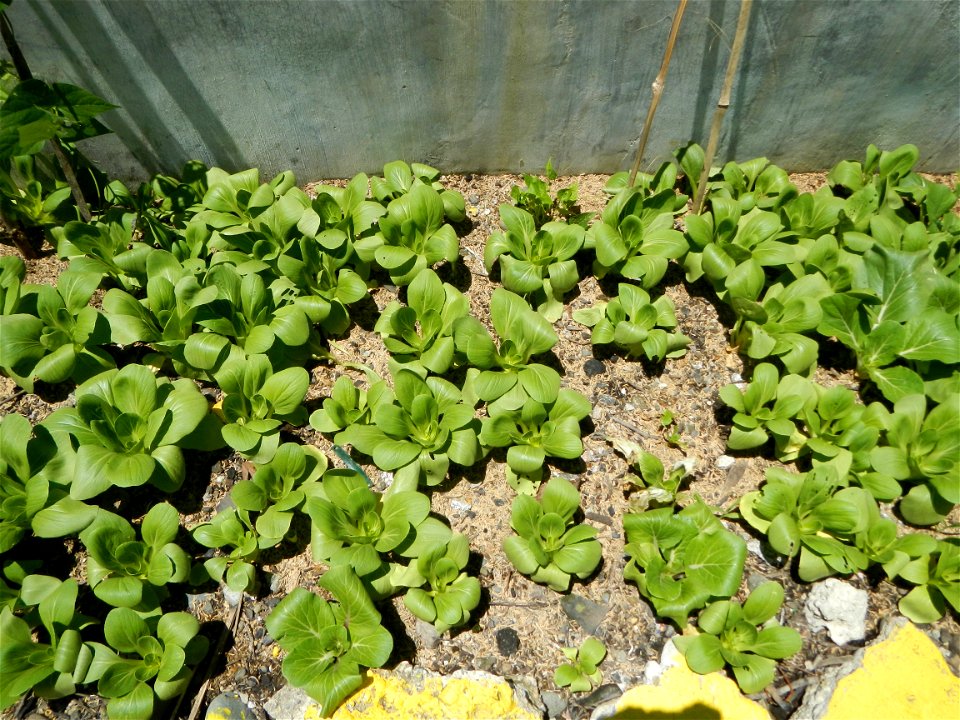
{"x": 392, "y": 697}
{"x": 681, "y": 694}
{"x": 903, "y": 677}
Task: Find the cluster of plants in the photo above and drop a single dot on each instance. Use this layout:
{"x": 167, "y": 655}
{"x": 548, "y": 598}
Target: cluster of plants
{"x": 220, "y": 290}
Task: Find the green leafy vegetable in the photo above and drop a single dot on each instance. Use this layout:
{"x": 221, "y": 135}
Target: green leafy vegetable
{"x": 681, "y": 561}
{"x": 549, "y": 546}
{"x": 745, "y": 637}
{"x": 327, "y": 643}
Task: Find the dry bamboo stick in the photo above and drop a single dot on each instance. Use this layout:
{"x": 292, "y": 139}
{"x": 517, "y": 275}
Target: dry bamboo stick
{"x": 723, "y": 104}
{"x": 657, "y": 90}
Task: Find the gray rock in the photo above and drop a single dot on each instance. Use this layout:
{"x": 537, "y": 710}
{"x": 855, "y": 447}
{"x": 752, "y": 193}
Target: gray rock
{"x": 288, "y": 703}
{"x": 838, "y": 607}
{"x": 554, "y": 702}
{"x": 229, "y": 706}
{"x": 427, "y": 634}
{"x": 584, "y": 611}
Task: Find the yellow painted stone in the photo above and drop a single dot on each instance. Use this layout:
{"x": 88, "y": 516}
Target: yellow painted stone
{"x": 389, "y": 697}
{"x": 903, "y": 677}
{"x": 682, "y": 694}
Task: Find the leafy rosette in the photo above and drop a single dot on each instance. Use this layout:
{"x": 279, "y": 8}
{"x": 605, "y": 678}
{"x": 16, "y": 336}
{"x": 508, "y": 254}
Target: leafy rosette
{"x": 681, "y": 561}
{"x": 549, "y": 546}
{"x": 35, "y": 471}
{"x": 506, "y": 372}
{"x": 450, "y": 594}
{"x": 412, "y": 236}
{"x": 535, "y": 262}
{"x": 349, "y": 405}
{"x": 126, "y": 572}
{"x": 534, "y": 432}
{"x": 400, "y": 178}
{"x": 633, "y": 322}
{"x": 257, "y": 401}
{"x": 145, "y": 661}
{"x": 418, "y": 435}
{"x": 52, "y": 333}
{"x": 422, "y": 331}
{"x": 357, "y": 527}
{"x": 328, "y": 643}
{"x": 130, "y": 426}
{"x": 745, "y": 637}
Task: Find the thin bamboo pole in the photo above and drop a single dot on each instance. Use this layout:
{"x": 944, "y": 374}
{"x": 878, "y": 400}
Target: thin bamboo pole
{"x": 23, "y": 71}
{"x": 657, "y": 89}
{"x": 723, "y": 104}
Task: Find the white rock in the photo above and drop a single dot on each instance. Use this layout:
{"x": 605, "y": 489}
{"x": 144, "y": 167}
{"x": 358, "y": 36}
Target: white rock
{"x": 725, "y": 461}
{"x": 838, "y": 607}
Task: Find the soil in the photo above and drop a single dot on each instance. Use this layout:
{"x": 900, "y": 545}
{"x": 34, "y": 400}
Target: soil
{"x": 520, "y": 628}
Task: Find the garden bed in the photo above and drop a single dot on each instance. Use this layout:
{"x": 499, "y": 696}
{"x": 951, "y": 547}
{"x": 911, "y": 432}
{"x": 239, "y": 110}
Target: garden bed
{"x": 672, "y": 409}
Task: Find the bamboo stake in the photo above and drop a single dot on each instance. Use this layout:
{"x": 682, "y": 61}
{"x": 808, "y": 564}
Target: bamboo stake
{"x": 23, "y": 71}
{"x": 723, "y": 104}
{"x": 657, "y": 89}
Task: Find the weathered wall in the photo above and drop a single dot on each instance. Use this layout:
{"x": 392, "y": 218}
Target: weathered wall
{"x": 331, "y": 87}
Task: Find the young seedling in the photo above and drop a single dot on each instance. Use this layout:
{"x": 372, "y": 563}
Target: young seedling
{"x": 582, "y": 673}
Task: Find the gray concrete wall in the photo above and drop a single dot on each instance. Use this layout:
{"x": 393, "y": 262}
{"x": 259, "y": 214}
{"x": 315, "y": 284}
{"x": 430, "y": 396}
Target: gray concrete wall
{"x": 332, "y": 87}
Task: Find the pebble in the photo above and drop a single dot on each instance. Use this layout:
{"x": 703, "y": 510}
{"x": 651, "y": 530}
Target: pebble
{"x": 228, "y": 706}
{"x": 594, "y": 367}
{"x": 508, "y": 642}
{"x": 607, "y": 400}
{"x": 554, "y": 703}
{"x": 725, "y": 461}
{"x": 584, "y": 611}
{"x": 231, "y": 596}
{"x": 460, "y": 507}
{"x": 427, "y": 634}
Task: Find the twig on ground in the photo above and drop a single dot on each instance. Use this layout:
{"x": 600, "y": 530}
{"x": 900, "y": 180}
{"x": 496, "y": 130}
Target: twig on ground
{"x": 508, "y": 603}
{"x": 629, "y": 425}
{"x": 11, "y": 397}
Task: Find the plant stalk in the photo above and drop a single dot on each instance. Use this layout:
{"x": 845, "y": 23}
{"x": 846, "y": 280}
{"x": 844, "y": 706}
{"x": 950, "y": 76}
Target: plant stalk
{"x": 723, "y": 104}
{"x": 23, "y": 71}
{"x": 657, "y": 90}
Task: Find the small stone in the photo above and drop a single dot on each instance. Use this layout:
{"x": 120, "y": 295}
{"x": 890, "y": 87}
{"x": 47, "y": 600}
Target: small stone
{"x": 594, "y": 367}
{"x": 288, "y": 703}
{"x": 229, "y": 706}
{"x": 584, "y": 611}
{"x": 240, "y": 674}
{"x": 838, "y": 607}
{"x": 508, "y": 642}
{"x": 473, "y": 198}
{"x": 603, "y": 694}
{"x": 554, "y": 702}
{"x": 231, "y": 596}
{"x": 725, "y": 461}
{"x": 427, "y": 634}
{"x": 736, "y": 377}
{"x": 460, "y": 507}
{"x": 607, "y": 400}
